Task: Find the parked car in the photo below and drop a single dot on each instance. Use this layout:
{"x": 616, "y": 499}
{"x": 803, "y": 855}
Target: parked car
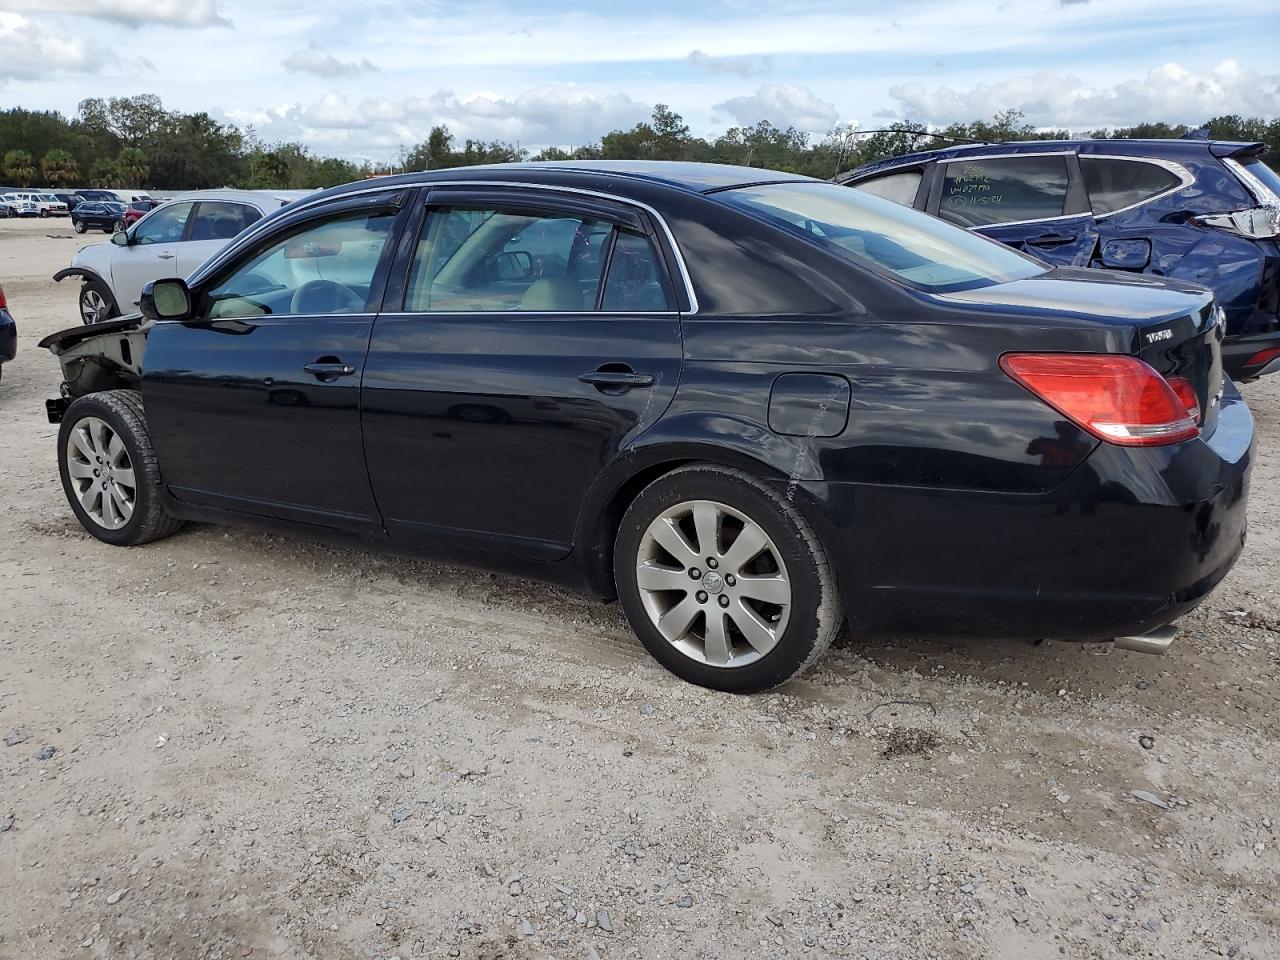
{"x": 8, "y": 334}
{"x": 740, "y": 401}
{"x": 137, "y": 210}
{"x": 20, "y": 206}
{"x": 102, "y": 196}
{"x": 170, "y": 241}
{"x": 72, "y": 200}
{"x": 96, "y": 215}
{"x": 1201, "y": 210}
{"x": 51, "y": 206}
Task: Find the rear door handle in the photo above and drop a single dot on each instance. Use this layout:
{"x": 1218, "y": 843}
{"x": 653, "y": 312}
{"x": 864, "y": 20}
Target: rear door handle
{"x": 327, "y": 371}
{"x": 617, "y": 379}
{"x": 1051, "y": 240}
{"x": 166, "y": 256}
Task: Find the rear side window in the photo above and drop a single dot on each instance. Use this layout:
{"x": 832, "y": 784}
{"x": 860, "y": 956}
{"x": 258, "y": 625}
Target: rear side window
{"x": 222, "y": 221}
{"x": 506, "y": 260}
{"x": 1115, "y": 184}
{"x": 978, "y": 193}
{"x": 898, "y": 187}
{"x": 636, "y": 281}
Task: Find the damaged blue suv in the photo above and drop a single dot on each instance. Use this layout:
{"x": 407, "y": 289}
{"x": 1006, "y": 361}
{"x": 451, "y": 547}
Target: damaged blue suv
{"x": 1207, "y": 211}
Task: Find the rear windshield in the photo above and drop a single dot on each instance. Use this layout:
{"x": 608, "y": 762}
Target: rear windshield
{"x": 887, "y": 237}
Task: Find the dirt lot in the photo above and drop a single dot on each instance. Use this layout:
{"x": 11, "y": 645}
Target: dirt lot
{"x": 263, "y": 747}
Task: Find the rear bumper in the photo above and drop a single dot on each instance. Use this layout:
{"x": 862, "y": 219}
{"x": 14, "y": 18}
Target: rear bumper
{"x": 8, "y": 336}
{"x": 1251, "y": 356}
{"x": 1133, "y": 540}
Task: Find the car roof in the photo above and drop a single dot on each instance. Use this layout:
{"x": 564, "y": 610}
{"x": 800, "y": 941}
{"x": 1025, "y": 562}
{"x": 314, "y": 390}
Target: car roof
{"x": 259, "y": 198}
{"x": 1157, "y": 148}
{"x": 685, "y": 176}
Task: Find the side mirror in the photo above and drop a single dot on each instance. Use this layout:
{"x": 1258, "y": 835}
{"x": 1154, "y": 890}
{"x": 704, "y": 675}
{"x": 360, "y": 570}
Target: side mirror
{"x": 120, "y": 238}
{"x": 514, "y": 265}
{"x": 165, "y": 300}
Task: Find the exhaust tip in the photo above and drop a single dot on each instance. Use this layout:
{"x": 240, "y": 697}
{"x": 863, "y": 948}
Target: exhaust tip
{"x": 1156, "y": 641}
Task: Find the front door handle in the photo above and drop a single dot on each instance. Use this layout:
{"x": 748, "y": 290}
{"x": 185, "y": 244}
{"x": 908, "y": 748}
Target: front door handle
{"x": 328, "y": 369}
{"x": 616, "y": 380}
{"x": 1051, "y": 240}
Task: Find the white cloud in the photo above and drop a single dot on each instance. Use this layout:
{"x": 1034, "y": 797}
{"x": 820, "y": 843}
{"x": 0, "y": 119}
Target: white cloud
{"x": 132, "y": 13}
{"x": 783, "y": 105}
{"x": 548, "y": 115}
{"x": 1170, "y": 92}
{"x": 738, "y": 66}
{"x": 314, "y": 60}
{"x": 32, "y": 51}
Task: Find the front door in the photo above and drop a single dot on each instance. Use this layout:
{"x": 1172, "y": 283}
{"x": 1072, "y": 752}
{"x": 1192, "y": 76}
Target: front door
{"x": 537, "y": 336}
{"x": 151, "y": 254}
{"x": 254, "y": 405}
{"x": 1035, "y": 203}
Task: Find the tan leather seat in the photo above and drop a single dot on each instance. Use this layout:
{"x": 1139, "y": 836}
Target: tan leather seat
{"x": 553, "y": 294}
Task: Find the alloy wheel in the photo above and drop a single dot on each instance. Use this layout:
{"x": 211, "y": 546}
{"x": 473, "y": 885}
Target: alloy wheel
{"x": 93, "y": 306}
{"x": 713, "y": 583}
{"x": 101, "y": 473}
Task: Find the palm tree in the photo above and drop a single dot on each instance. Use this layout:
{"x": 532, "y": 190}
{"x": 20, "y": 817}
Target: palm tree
{"x": 19, "y": 166}
{"x": 60, "y": 168}
{"x": 132, "y": 165}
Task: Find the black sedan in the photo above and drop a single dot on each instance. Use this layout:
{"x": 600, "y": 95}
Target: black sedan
{"x": 98, "y": 215}
{"x": 751, "y": 406}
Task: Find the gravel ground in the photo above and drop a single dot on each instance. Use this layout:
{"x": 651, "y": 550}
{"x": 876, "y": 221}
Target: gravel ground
{"x": 233, "y": 744}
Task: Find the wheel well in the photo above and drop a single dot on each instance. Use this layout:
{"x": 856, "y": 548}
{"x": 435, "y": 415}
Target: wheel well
{"x": 600, "y": 555}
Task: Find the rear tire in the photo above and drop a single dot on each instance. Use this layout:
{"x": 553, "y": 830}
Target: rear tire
{"x": 739, "y": 620}
{"x": 109, "y": 471}
{"x": 78, "y": 225}
{"x": 97, "y": 305}
{"x": 118, "y": 226}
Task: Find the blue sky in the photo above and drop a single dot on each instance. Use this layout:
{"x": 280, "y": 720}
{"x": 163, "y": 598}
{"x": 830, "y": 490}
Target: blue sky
{"x": 364, "y": 81}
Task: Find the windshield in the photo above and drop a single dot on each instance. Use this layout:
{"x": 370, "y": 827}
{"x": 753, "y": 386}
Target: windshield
{"x": 889, "y": 238}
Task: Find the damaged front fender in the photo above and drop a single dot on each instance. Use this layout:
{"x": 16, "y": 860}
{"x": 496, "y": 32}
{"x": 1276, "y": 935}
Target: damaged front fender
{"x": 104, "y": 356}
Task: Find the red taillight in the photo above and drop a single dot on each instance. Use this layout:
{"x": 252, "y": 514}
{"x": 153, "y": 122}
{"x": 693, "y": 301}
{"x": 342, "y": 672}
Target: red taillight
{"x": 2, "y": 303}
{"x": 1116, "y": 398}
{"x": 1261, "y": 358}
{"x": 1186, "y": 392}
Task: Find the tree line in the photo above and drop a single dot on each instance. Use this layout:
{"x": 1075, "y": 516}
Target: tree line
{"x": 136, "y": 142}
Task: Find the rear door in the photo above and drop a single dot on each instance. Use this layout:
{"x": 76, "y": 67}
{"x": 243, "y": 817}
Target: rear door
{"x": 535, "y": 335}
{"x": 1034, "y": 203}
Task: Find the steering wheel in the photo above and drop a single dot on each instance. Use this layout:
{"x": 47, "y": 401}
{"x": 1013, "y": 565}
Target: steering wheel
{"x": 325, "y": 296}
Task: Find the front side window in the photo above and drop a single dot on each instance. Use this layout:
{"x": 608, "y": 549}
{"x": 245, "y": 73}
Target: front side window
{"x": 1115, "y": 184}
{"x": 319, "y": 269}
{"x": 163, "y": 226}
{"x": 898, "y": 187}
{"x": 222, "y": 221}
{"x": 979, "y": 193}
{"x": 883, "y": 236}
{"x": 475, "y": 259}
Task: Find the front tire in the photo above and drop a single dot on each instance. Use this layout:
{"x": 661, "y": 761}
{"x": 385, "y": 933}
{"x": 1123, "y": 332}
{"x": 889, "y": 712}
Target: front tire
{"x": 44, "y": 214}
{"x": 118, "y": 226}
{"x": 97, "y": 305}
{"x": 109, "y": 471}
{"x": 724, "y": 581}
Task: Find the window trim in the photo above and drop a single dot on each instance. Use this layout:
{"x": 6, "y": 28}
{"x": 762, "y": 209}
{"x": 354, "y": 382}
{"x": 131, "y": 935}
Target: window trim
{"x": 671, "y": 249}
{"x": 429, "y": 202}
{"x": 934, "y": 206}
{"x": 1185, "y": 179}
